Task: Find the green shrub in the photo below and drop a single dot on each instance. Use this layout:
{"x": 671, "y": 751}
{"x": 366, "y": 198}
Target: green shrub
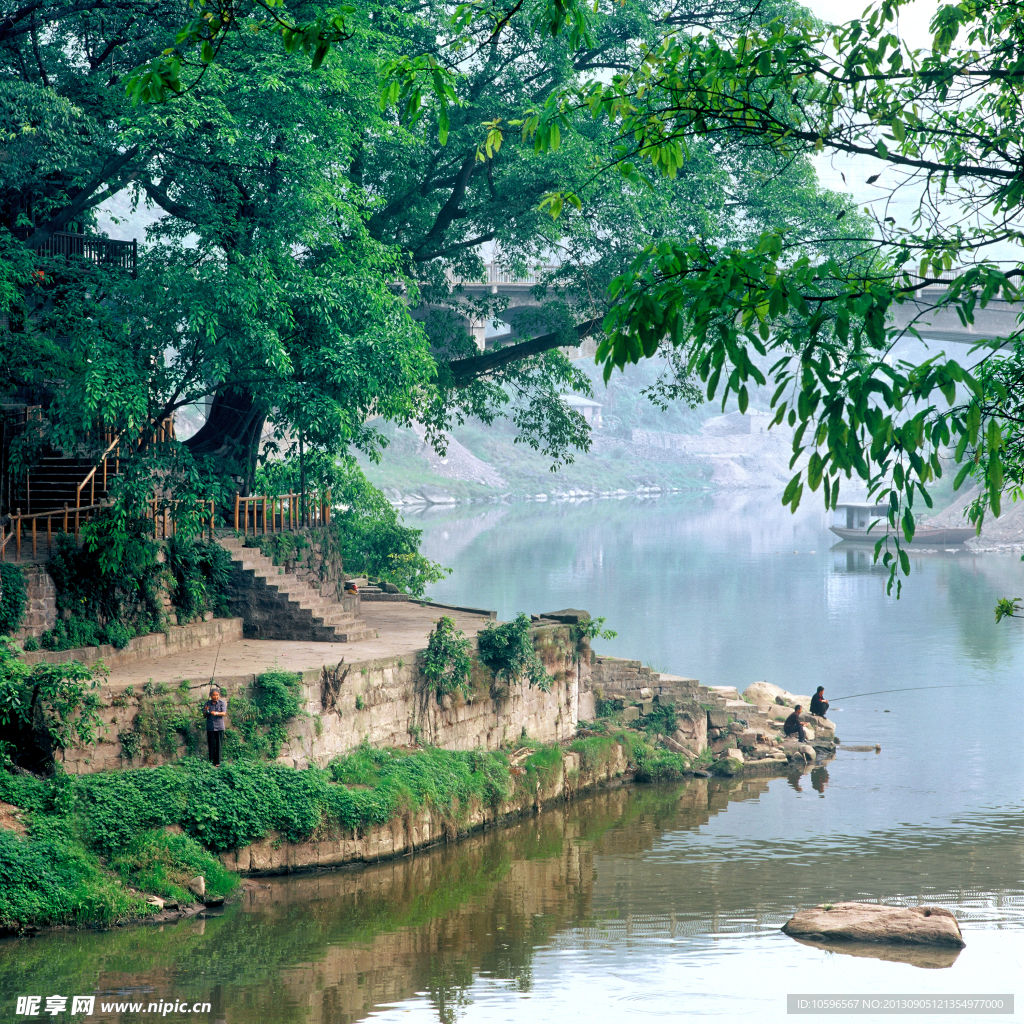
{"x": 68, "y": 634}
{"x": 259, "y": 725}
{"x": 13, "y": 598}
{"x": 58, "y": 700}
{"x": 50, "y": 879}
{"x": 446, "y": 662}
{"x": 278, "y": 547}
{"x": 31, "y": 643}
{"x": 113, "y": 576}
{"x": 656, "y": 764}
{"x": 508, "y": 651}
{"x": 117, "y": 634}
{"x": 163, "y": 863}
{"x": 202, "y": 577}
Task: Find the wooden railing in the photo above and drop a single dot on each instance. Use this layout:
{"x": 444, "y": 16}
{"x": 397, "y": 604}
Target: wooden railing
{"x": 275, "y": 513}
{"x": 166, "y": 525}
{"x": 101, "y": 251}
{"x": 20, "y": 528}
{"x": 112, "y": 453}
{"x": 90, "y": 477}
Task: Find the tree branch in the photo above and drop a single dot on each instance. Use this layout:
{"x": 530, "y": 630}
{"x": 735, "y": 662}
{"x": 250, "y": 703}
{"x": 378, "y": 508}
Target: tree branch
{"x": 465, "y": 371}
{"x": 81, "y": 201}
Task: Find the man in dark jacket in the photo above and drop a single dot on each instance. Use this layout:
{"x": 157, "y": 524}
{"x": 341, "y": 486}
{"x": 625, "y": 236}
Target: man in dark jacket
{"x": 819, "y": 706}
{"x": 793, "y": 726}
{"x": 215, "y": 710}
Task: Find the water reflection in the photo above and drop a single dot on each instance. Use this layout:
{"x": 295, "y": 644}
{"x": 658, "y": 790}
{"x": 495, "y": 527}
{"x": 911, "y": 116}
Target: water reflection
{"x": 655, "y": 869}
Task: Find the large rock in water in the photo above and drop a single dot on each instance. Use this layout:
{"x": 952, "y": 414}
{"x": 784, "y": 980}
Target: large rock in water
{"x": 872, "y": 922}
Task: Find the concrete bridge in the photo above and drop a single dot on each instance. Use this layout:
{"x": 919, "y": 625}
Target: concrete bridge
{"x": 998, "y": 319}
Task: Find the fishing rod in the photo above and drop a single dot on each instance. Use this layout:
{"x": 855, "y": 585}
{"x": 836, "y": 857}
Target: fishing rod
{"x": 906, "y": 689}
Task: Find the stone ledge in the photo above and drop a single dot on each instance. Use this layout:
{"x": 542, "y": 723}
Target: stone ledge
{"x": 176, "y": 640}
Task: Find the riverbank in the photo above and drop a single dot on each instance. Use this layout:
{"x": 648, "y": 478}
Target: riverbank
{"x": 96, "y": 850}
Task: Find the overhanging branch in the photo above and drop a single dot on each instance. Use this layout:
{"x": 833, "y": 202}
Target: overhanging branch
{"x": 465, "y": 371}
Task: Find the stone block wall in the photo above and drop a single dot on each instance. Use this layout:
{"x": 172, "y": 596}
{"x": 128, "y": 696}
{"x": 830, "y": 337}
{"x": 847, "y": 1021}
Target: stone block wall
{"x": 317, "y": 567}
{"x": 274, "y": 855}
{"x": 385, "y": 702}
{"x": 40, "y": 603}
{"x": 621, "y": 675}
{"x": 174, "y": 640}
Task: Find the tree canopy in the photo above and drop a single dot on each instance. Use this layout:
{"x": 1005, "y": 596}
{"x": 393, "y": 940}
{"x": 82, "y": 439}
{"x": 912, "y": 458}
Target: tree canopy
{"x": 306, "y": 264}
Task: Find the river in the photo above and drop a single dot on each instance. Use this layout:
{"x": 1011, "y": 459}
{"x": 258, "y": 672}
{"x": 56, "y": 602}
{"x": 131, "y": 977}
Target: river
{"x": 660, "y": 900}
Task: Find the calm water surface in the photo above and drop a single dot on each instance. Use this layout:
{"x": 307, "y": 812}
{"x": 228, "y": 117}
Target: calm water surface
{"x": 657, "y": 901}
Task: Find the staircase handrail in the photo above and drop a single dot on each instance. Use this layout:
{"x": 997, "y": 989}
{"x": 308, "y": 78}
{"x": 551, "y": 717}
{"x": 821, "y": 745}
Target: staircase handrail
{"x": 91, "y": 476}
{"x": 17, "y": 520}
{"x": 317, "y": 511}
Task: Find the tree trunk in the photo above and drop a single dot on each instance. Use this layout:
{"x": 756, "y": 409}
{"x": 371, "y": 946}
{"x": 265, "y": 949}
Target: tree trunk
{"x": 230, "y": 437}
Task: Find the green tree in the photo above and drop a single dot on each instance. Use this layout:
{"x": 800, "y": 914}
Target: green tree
{"x": 296, "y": 210}
{"x": 944, "y": 124}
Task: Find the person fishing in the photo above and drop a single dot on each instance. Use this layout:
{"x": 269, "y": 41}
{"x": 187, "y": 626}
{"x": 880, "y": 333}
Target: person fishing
{"x": 215, "y": 710}
{"x": 793, "y": 726}
{"x": 819, "y": 706}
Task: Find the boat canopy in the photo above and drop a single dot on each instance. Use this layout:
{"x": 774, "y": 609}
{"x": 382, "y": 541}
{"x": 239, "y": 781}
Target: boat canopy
{"x": 858, "y": 515}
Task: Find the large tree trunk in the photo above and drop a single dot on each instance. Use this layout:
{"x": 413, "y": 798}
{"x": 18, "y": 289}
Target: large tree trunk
{"x": 230, "y": 437}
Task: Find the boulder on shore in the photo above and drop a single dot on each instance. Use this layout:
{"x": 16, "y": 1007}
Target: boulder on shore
{"x": 767, "y": 693}
{"x": 872, "y": 922}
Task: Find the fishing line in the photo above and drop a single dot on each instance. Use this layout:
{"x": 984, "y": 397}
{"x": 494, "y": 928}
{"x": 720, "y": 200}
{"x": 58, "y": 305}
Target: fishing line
{"x": 906, "y": 689}
{"x": 213, "y": 675}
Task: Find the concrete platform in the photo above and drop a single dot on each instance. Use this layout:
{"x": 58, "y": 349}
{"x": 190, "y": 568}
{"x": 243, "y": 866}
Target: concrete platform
{"x": 402, "y": 629}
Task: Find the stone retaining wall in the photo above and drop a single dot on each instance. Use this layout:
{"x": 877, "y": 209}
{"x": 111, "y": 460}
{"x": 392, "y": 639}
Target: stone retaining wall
{"x": 274, "y": 855}
{"x": 174, "y": 640}
{"x": 40, "y": 602}
{"x": 384, "y": 702}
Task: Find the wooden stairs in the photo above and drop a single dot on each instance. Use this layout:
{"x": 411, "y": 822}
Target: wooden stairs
{"x": 275, "y": 605}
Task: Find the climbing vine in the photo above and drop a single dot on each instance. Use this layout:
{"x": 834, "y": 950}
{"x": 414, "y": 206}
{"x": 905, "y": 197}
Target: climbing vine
{"x": 12, "y": 598}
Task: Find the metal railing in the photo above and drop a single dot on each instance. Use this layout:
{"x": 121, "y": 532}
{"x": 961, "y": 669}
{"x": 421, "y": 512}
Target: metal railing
{"x": 17, "y": 531}
{"x": 281, "y": 512}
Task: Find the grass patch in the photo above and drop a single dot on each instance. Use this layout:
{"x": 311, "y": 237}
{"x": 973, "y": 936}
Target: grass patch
{"x": 162, "y": 863}
{"x": 49, "y": 877}
{"x": 378, "y": 785}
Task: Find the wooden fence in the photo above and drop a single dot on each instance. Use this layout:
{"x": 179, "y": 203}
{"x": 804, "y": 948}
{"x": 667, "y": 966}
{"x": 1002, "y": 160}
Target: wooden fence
{"x": 24, "y": 529}
{"x": 275, "y": 513}
{"x": 20, "y": 529}
{"x": 165, "y": 525}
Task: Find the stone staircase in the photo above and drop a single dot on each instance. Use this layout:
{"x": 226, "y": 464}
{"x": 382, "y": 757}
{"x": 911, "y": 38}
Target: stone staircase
{"x": 279, "y": 606}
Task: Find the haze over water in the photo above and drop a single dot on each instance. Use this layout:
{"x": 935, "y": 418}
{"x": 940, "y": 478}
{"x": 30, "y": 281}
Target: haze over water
{"x": 659, "y": 901}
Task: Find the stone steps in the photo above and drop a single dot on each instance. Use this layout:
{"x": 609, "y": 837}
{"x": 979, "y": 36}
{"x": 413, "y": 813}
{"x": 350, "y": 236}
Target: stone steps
{"x": 276, "y": 605}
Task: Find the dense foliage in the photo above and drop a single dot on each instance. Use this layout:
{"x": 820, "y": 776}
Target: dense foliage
{"x": 508, "y": 651}
{"x": 290, "y": 205}
{"x": 13, "y": 598}
{"x": 447, "y": 661}
{"x": 44, "y": 707}
{"x": 202, "y": 575}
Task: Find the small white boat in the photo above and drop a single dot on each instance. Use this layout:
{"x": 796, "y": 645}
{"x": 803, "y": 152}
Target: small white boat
{"x": 851, "y": 521}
